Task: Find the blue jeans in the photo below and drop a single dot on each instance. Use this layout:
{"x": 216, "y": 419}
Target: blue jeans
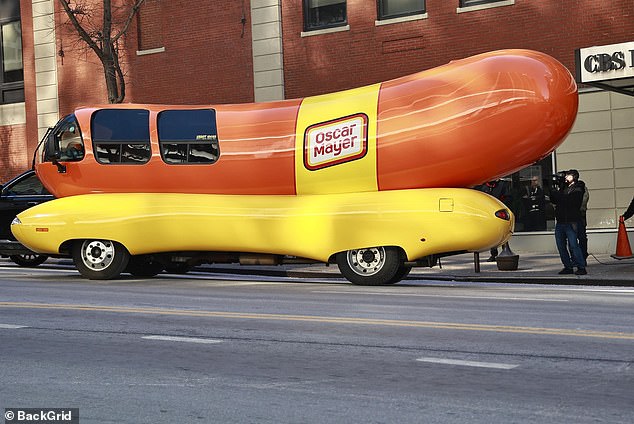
{"x": 566, "y": 237}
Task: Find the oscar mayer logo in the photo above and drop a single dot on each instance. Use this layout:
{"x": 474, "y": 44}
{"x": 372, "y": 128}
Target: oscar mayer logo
{"x": 336, "y": 141}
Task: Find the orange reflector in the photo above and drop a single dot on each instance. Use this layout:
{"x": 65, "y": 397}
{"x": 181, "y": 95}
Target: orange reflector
{"x": 41, "y": 229}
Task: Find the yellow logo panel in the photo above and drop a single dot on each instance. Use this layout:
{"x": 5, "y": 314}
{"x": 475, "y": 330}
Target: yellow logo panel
{"x": 335, "y": 148}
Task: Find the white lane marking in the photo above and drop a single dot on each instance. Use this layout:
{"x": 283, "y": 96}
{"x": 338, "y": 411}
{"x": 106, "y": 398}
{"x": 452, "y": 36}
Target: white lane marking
{"x": 13, "y": 327}
{"x": 183, "y": 339}
{"x": 443, "y": 361}
{"x": 439, "y": 295}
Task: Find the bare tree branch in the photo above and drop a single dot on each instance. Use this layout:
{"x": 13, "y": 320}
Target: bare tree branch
{"x": 80, "y": 30}
{"x": 128, "y": 21}
{"x": 101, "y": 39}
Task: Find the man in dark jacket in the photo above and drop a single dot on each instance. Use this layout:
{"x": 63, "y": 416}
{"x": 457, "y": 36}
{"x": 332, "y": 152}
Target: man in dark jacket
{"x": 567, "y": 200}
{"x": 582, "y": 236}
{"x": 629, "y": 212}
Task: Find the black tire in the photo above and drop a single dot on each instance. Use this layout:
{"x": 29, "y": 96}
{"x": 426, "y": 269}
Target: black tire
{"x": 372, "y": 266}
{"x": 100, "y": 259}
{"x": 401, "y": 273}
{"x": 143, "y": 266}
{"x": 178, "y": 268}
{"x": 29, "y": 260}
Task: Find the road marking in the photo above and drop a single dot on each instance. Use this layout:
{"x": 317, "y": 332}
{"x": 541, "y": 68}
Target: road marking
{"x": 443, "y": 361}
{"x": 12, "y": 327}
{"x": 326, "y": 320}
{"x": 532, "y": 299}
{"x": 182, "y": 339}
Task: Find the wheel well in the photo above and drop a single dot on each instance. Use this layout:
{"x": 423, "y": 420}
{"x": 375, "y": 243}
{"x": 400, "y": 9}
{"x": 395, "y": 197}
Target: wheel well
{"x": 66, "y": 248}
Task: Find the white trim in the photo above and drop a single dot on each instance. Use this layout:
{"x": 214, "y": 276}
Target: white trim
{"x": 485, "y": 6}
{"x": 150, "y": 51}
{"x": 266, "y": 43}
{"x": 409, "y": 18}
{"x": 45, "y": 55}
{"x": 325, "y": 31}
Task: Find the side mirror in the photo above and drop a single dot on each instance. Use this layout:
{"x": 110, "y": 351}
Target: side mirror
{"x": 61, "y": 168}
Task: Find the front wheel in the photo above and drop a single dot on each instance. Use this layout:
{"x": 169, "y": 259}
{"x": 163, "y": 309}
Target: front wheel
{"x": 100, "y": 259}
{"x": 373, "y": 266}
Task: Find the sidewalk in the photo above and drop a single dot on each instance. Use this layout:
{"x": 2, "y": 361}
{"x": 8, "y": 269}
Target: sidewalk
{"x": 533, "y": 268}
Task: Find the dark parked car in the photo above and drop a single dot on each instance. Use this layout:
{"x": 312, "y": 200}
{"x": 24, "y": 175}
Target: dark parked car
{"x": 17, "y": 195}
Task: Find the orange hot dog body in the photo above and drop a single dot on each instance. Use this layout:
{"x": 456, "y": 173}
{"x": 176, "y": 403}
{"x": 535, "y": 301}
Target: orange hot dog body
{"x": 457, "y": 125}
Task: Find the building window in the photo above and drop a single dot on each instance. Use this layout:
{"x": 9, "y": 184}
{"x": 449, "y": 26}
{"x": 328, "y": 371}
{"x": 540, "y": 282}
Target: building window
{"x": 321, "y": 14}
{"x": 465, "y": 3}
{"x": 12, "y": 72}
{"x": 389, "y": 9}
{"x": 188, "y": 136}
{"x": 121, "y": 136}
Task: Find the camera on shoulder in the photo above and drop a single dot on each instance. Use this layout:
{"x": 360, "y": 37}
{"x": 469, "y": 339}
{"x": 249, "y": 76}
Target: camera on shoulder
{"x": 558, "y": 180}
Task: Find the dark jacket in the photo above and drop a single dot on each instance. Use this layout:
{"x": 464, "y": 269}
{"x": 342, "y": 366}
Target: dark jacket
{"x": 567, "y": 203}
{"x": 630, "y": 210}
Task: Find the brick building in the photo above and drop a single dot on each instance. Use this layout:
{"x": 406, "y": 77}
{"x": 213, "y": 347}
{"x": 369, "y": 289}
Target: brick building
{"x": 202, "y": 52}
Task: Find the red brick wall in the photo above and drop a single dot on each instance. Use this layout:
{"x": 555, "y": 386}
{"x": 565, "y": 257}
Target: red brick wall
{"x": 207, "y": 57}
{"x": 79, "y": 72}
{"x": 19, "y": 141}
{"x": 368, "y": 54}
{"x": 14, "y": 157}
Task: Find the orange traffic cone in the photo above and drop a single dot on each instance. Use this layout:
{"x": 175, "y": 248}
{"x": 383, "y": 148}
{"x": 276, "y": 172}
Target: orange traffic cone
{"x": 623, "y": 249}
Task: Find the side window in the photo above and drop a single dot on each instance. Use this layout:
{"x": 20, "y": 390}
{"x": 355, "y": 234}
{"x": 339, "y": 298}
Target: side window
{"x": 389, "y": 9}
{"x": 121, "y": 136}
{"x": 27, "y": 187}
{"x": 68, "y": 140}
{"x": 188, "y": 136}
{"x": 321, "y": 14}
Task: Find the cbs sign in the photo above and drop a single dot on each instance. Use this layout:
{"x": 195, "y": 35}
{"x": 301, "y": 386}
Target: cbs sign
{"x": 603, "y": 63}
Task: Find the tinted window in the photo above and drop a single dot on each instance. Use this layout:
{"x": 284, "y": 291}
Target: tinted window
{"x": 121, "y": 135}
{"x": 11, "y": 67}
{"x": 27, "y": 187}
{"x": 320, "y": 14}
{"x": 188, "y": 136}
{"x": 396, "y": 8}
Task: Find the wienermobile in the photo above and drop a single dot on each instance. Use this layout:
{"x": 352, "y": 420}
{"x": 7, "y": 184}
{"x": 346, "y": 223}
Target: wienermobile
{"x": 374, "y": 179}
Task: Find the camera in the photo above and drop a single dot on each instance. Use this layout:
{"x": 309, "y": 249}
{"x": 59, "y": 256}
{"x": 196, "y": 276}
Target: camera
{"x": 558, "y": 180}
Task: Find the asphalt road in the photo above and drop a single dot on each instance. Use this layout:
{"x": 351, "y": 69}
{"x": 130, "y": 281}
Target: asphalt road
{"x": 231, "y": 349}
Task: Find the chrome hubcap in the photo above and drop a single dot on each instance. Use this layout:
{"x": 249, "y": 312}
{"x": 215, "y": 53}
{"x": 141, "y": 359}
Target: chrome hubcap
{"x": 97, "y": 254}
{"x": 366, "y": 261}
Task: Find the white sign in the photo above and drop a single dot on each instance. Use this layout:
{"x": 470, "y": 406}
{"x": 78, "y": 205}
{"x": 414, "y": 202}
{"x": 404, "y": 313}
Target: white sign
{"x": 337, "y": 141}
{"x": 601, "y": 63}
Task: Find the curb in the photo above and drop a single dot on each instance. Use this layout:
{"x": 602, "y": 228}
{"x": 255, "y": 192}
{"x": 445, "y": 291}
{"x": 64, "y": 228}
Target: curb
{"x": 518, "y": 279}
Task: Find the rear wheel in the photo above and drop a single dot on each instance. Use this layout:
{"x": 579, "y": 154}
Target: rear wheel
{"x": 28, "y": 260}
{"x": 143, "y": 266}
{"x": 402, "y": 272}
{"x": 100, "y": 259}
{"x": 372, "y": 266}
